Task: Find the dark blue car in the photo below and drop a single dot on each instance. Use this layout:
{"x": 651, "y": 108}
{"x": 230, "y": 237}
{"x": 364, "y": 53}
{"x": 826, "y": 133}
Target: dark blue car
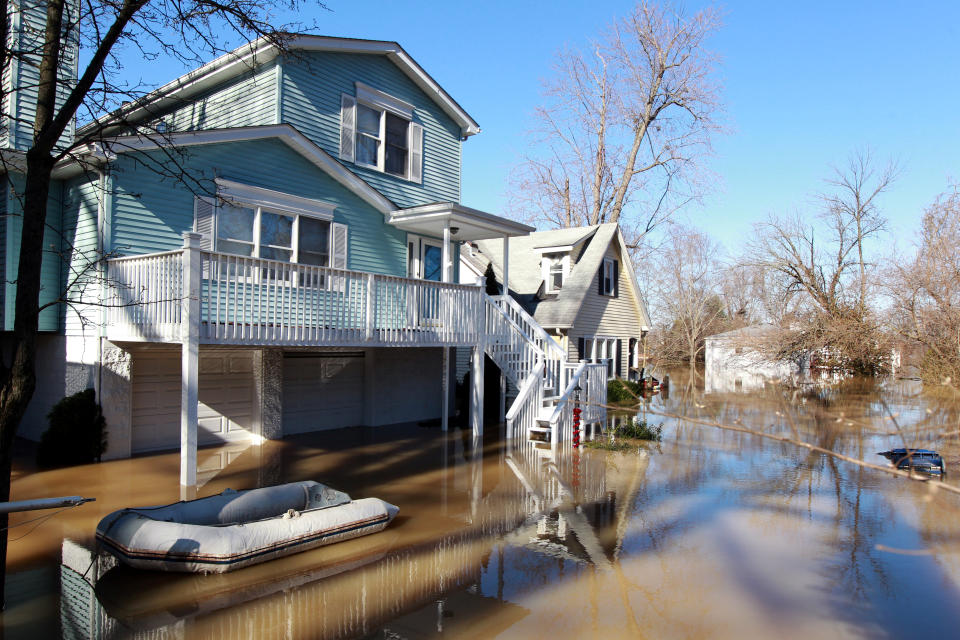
{"x": 919, "y": 460}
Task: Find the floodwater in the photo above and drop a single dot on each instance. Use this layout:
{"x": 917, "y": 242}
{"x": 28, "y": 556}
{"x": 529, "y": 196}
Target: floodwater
{"x": 706, "y": 534}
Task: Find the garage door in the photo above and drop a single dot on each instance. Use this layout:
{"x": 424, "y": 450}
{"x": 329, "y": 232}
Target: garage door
{"x": 321, "y": 392}
{"x": 226, "y": 392}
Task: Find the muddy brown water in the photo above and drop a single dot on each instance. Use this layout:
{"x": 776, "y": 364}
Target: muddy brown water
{"x": 707, "y": 534}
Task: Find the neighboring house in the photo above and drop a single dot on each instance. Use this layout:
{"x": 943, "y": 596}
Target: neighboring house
{"x": 306, "y": 279}
{"x": 737, "y": 360}
{"x": 579, "y": 285}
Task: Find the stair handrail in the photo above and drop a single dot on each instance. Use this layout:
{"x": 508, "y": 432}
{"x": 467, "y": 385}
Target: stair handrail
{"x": 567, "y": 393}
{"x": 549, "y": 342}
{"x": 529, "y": 400}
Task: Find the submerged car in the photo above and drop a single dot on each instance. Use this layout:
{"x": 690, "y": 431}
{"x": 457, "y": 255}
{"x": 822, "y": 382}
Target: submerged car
{"x": 920, "y": 460}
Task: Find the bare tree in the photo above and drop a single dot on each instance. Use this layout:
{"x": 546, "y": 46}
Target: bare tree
{"x": 626, "y": 125}
{"x": 857, "y": 187}
{"x": 104, "y": 31}
{"x": 925, "y": 290}
{"x": 686, "y": 295}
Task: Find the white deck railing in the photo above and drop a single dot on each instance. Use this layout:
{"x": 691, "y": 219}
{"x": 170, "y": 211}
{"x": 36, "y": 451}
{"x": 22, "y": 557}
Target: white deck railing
{"x": 592, "y": 382}
{"x": 528, "y": 404}
{"x": 554, "y": 355}
{"x": 246, "y": 300}
{"x": 508, "y": 345}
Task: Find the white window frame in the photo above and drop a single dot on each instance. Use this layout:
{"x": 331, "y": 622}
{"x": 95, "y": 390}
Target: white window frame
{"x": 608, "y": 276}
{"x": 384, "y": 103}
{"x": 545, "y": 264}
{"x": 416, "y": 246}
{"x": 262, "y": 200}
{"x": 601, "y": 349}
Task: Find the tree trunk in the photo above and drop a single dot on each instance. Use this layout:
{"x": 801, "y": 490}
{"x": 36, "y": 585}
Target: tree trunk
{"x": 19, "y": 381}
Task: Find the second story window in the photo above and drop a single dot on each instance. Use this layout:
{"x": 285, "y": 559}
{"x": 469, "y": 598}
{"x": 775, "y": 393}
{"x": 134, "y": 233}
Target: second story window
{"x": 377, "y": 132}
{"x": 554, "y": 267}
{"x": 608, "y": 278}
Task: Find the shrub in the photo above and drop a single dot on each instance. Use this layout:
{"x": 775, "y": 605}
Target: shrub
{"x": 619, "y": 390}
{"x": 639, "y": 430}
{"x": 77, "y": 432}
{"x": 609, "y": 445}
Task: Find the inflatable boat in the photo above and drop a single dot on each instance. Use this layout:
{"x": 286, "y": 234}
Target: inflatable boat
{"x": 236, "y": 529}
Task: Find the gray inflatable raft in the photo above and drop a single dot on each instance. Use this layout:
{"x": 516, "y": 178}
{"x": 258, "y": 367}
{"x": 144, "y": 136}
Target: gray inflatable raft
{"x": 236, "y": 529}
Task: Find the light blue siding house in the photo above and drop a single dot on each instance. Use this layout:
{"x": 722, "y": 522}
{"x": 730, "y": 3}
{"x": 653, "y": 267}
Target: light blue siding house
{"x": 281, "y": 234}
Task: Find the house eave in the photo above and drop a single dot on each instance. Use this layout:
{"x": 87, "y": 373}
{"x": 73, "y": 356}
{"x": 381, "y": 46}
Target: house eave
{"x": 262, "y": 51}
{"x": 112, "y": 147}
{"x": 471, "y": 224}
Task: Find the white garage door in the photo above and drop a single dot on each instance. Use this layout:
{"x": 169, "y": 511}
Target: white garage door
{"x": 226, "y": 392}
{"x": 321, "y": 392}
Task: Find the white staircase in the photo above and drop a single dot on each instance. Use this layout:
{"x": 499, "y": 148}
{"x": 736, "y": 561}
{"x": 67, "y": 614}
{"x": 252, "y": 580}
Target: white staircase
{"x": 537, "y": 366}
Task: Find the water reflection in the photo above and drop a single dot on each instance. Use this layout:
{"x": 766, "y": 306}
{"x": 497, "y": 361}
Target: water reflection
{"x": 708, "y": 534}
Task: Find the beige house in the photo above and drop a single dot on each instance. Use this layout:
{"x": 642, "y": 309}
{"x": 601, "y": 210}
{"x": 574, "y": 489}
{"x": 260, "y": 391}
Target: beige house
{"x": 579, "y": 285}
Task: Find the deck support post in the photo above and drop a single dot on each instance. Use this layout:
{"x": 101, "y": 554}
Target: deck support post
{"x": 476, "y": 389}
{"x": 446, "y": 274}
{"x": 190, "y": 363}
{"x": 503, "y": 397}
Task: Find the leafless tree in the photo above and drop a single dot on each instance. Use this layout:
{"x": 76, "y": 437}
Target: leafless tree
{"x": 821, "y": 262}
{"x": 625, "y": 125}
{"x": 925, "y": 289}
{"x": 686, "y": 295}
{"x": 109, "y": 35}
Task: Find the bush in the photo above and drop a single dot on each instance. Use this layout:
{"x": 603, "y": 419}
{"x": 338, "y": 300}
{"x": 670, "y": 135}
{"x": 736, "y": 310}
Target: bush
{"x": 619, "y": 390}
{"x": 77, "y": 432}
{"x": 610, "y": 445}
{"x": 639, "y": 431}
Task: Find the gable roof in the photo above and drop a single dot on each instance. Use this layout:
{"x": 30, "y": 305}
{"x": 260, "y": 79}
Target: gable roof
{"x": 261, "y": 51}
{"x": 560, "y": 310}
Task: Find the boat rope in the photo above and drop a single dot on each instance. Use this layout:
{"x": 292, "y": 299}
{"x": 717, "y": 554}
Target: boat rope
{"x": 42, "y": 519}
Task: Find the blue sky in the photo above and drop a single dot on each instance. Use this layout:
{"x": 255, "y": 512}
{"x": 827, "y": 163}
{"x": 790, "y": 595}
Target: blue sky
{"x": 805, "y": 84}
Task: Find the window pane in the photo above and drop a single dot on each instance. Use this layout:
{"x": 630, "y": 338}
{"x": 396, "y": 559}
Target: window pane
{"x": 397, "y": 131}
{"x": 310, "y": 257}
{"x": 235, "y": 223}
{"x": 556, "y": 279}
{"x": 432, "y": 257}
{"x": 395, "y": 161}
{"x": 236, "y": 248}
{"x": 368, "y": 120}
{"x": 270, "y": 253}
{"x": 276, "y": 230}
{"x": 367, "y": 150}
{"x": 314, "y": 234}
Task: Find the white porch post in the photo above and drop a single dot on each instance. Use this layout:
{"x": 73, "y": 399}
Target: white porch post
{"x": 476, "y": 390}
{"x": 446, "y": 272}
{"x": 189, "y": 372}
{"x": 506, "y": 265}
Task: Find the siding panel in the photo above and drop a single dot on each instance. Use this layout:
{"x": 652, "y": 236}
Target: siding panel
{"x": 150, "y": 213}
{"x": 312, "y": 85}
{"x": 606, "y": 316}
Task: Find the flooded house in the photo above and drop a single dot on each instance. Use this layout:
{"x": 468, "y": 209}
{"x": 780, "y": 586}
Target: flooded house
{"x": 268, "y": 245}
{"x": 741, "y": 360}
{"x": 579, "y": 285}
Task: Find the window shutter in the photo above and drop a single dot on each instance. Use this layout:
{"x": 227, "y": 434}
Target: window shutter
{"x": 600, "y": 280}
{"x": 348, "y": 127}
{"x": 416, "y": 153}
{"x": 205, "y": 221}
{"x": 581, "y": 347}
{"x": 616, "y": 279}
{"x": 338, "y": 249}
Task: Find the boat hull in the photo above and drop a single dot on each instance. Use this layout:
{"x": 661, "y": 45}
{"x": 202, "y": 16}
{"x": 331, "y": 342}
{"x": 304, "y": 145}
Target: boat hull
{"x": 145, "y": 542}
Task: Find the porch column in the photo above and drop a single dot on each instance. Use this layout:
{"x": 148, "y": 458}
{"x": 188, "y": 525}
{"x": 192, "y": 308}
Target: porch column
{"x": 446, "y": 272}
{"x": 476, "y": 390}
{"x": 189, "y": 368}
{"x": 506, "y": 265}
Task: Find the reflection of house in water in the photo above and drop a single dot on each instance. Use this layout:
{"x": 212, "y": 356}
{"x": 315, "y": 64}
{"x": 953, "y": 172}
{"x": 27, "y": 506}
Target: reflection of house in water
{"x": 739, "y": 360}
{"x": 547, "y": 502}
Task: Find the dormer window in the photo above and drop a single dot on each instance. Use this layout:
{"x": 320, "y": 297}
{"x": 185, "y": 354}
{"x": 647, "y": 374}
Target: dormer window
{"x": 377, "y": 132}
{"x": 555, "y": 267}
